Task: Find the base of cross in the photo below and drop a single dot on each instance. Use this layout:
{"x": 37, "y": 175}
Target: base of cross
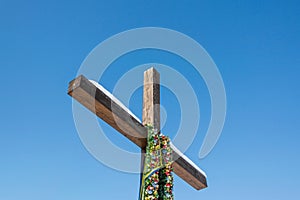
{"x": 157, "y": 179}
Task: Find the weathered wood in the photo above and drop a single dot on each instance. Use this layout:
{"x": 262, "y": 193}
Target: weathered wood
{"x": 190, "y": 174}
{"x": 151, "y": 98}
{"x": 104, "y": 107}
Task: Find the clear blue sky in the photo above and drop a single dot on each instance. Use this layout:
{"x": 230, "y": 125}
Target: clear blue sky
{"x": 254, "y": 43}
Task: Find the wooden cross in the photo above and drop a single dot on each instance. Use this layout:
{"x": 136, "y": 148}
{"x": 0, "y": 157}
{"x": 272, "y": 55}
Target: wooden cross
{"x": 117, "y": 116}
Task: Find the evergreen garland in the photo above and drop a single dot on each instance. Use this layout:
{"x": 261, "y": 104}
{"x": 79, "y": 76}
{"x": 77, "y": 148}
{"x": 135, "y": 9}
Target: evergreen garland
{"x": 165, "y": 173}
{"x": 157, "y": 183}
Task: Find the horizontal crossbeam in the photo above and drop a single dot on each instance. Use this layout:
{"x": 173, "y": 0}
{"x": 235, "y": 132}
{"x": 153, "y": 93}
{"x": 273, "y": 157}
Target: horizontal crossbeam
{"x": 109, "y": 109}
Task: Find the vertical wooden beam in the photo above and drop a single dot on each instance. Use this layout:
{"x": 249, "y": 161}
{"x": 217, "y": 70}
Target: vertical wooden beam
{"x": 151, "y": 98}
{"x": 151, "y": 106}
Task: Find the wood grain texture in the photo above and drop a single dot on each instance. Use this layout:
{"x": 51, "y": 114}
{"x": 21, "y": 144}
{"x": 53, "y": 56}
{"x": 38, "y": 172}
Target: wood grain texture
{"x": 151, "y": 98}
{"x": 99, "y": 103}
{"x": 104, "y": 107}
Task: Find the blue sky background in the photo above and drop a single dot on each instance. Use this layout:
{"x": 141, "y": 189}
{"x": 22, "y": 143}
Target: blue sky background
{"x": 255, "y": 45}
